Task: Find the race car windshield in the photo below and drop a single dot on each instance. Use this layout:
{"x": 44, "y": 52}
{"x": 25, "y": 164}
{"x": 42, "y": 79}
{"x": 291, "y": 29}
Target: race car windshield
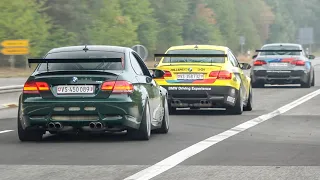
{"x": 194, "y": 59}
{"x": 280, "y": 48}
{"x": 82, "y": 66}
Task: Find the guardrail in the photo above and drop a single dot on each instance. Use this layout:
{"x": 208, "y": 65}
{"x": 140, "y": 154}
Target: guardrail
{"x": 9, "y": 89}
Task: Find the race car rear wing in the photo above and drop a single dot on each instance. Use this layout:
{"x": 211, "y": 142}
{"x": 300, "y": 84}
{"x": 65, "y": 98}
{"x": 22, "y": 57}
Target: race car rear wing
{"x": 189, "y": 55}
{"x": 84, "y": 60}
{"x": 286, "y": 50}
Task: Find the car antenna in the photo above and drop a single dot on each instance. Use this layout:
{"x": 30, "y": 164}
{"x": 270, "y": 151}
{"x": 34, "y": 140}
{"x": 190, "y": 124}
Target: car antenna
{"x": 85, "y": 48}
{"x": 196, "y": 47}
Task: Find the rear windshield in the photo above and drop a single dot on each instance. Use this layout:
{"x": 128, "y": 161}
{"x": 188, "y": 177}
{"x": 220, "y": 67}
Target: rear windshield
{"x": 280, "y": 48}
{"x": 82, "y": 66}
{"x": 194, "y": 59}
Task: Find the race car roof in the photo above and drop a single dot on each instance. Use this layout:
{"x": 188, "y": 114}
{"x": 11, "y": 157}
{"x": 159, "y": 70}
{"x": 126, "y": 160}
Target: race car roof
{"x": 284, "y": 44}
{"x": 213, "y": 47}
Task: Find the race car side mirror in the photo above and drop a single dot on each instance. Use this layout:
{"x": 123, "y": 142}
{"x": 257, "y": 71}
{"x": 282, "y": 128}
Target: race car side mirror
{"x": 311, "y": 57}
{"x": 254, "y": 56}
{"x": 245, "y": 66}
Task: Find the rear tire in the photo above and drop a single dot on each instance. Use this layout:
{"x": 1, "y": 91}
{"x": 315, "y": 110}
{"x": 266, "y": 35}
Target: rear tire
{"x": 164, "y": 129}
{"x": 144, "y": 131}
{"x": 313, "y": 80}
{"x": 248, "y": 107}
{"x": 237, "y": 109}
{"x": 27, "y": 135}
{"x": 308, "y": 84}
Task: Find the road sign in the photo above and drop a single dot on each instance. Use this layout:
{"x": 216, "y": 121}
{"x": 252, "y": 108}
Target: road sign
{"x": 306, "y": 36}
{"x": 141, "y": 50}
{"x": 15, "y": 51}
{"x": 242, "y": 40}
{"x": 15, "y": 43}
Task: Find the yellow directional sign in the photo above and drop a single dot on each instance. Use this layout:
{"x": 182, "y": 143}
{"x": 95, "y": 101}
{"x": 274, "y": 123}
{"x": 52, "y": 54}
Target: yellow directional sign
{"x": 15, "y": 43}
{"x": 15, "y": 51}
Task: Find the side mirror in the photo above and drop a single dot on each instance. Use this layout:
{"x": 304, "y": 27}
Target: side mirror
{"x": 311, "y": 57}
{"x": 254, "y": 56}
{"x": 245, "y": 66}
{"x": 155, "y": 65}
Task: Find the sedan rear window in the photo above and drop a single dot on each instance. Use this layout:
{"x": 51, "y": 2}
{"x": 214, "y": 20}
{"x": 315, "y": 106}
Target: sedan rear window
{"x": 82, "y": 66}
{"x": 278, "y": 47}
{"x": 194, "y": 59}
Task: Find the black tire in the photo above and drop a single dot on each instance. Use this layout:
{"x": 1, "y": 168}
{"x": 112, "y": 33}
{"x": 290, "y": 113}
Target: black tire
{"x": 248, "y": 106}
{"x": 144, "y": 131}
{"x": 27, "y": 135}
{"x": 164, "y": 129}
{"x": 237, "y": 109}
{"x": 257, "y": 85}
{"x": 313, "y": 80}
{"x": 308, "y": 84}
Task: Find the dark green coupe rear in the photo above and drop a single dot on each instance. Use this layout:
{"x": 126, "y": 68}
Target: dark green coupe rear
{"x": 94, "y": 89}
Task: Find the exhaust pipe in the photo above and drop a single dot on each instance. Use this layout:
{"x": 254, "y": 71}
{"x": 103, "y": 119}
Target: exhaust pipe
{"x": 92, "y": 125}
{"x": 99, "y": 125}
{"x": 51, "y": 125}
{"x": 58, "y": 125}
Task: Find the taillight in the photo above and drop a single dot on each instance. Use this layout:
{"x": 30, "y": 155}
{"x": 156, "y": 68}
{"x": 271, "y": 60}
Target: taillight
{"x": 117, "y": 87}
{"x": 298, "y": 63}
{"x": 33, "y": 87}
{"x": 221, "y": 74}
{"x": 167, "y": 74}
{"x": 259, "y": 63}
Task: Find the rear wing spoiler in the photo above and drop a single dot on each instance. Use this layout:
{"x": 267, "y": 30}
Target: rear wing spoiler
{"x": 190, "y": 55}
{"x": 85, "y": 60}
{"x": 293, "y": 50}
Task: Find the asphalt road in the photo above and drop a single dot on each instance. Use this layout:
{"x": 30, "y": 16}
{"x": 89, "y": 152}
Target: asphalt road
{"x": 286, "y": 146}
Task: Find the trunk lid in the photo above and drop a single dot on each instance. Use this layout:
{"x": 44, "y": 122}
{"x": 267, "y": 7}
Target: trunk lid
{"x": 73, "y": 84}
{"x": 190, "y": 73}
{"x": 279, "y": 62}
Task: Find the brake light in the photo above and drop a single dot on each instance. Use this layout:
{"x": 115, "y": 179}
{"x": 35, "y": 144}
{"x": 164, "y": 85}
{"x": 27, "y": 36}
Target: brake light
{"x": 221, "y": 74}
{"x": 298, "y": 63}
{"x": 33, "y": 87}
{"x": 117, "y": 87}
{"x": 167, "y": 74}
{"x": 259, "y": 63}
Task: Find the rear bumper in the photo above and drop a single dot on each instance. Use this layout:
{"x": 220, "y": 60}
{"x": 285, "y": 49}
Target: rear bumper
{"x": 201, "y": 96}
{"x": 280, "y": 76}
{"x": 78, "y": 114}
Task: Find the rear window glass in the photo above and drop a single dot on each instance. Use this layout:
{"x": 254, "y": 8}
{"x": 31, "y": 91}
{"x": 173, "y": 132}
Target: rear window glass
{"x": 280, "y": 48}
{"x": 194, "y": 59}
{"x": 83, "y": 66}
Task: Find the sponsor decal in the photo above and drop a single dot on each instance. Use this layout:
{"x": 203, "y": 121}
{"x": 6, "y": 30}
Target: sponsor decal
{"x": 231, "y": 99}
{"x": 190, "y": 88}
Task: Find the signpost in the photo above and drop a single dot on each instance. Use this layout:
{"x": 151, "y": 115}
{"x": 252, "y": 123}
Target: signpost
{"x": 15, "y": 47}
{"x": 242, "y": 41}
{"x": 141, "y": 50}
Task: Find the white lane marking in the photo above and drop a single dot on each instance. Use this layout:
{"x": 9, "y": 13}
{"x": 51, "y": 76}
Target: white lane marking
{"x": 184, "y": 154}
{"x": 5, "y": 131}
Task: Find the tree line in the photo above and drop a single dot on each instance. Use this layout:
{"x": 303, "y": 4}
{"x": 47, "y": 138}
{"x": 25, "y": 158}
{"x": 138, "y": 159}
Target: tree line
{"x": 156, "y": 24}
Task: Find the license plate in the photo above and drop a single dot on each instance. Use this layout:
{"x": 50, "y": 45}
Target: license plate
{"x": 279, "y": 64}
{"x": 190, "y": 76}
{"x": 79, "y": 89}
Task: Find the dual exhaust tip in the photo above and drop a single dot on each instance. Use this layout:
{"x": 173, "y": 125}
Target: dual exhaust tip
{"x": 96, "y": 125}
{"x": 56, "y": 125}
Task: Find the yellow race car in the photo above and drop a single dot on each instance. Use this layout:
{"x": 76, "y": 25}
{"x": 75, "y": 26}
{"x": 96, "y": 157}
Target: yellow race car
{"x": 204, "y": 76}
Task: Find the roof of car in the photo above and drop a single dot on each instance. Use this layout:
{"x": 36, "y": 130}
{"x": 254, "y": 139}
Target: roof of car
{"x": 90, "y": 47}
{"x": 213, "y": 47}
